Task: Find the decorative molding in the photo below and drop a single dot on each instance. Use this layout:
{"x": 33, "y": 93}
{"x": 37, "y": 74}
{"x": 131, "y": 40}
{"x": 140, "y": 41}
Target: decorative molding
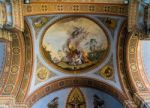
{"x": 81, "y": 1}
{"x": 132, "y": 14}
{"x": 17, "y": 71}
{"x": 129, "y": 104}
{"x": 17, "y": 13}
{"x": 143, "y": 97}
{"x": 26, "y": 74}
{"x": 3, "y": 15}
{"x": 13, "y": 66}
{"x": 120, "y": 60}
{"x": 9, "y": 102}
{"x": 132, "y": 61}
{"x": 6, "y": 35}
{"x": 73, "y": 82}
{"x": 137, "y": 78}
{"x": 86, "y": 8}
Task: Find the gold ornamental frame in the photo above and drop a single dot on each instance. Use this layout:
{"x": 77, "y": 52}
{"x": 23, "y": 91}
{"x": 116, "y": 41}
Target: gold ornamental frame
{"x": 84, "y": 69}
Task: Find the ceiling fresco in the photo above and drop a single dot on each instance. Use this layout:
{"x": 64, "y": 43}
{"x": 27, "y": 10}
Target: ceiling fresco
{"x": 74, "y": 54}
{"x": 74, "y": 45}
{"x": 42, "y": 73}
{"x": 79, "y": 97}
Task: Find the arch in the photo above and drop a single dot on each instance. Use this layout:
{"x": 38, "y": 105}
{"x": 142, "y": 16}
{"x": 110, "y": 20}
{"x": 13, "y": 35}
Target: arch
{"x": 13, "y": 62}
{"x": 74, "y": 82}
{"x": 137, "y": 81}
{"x": 26, "y": 73}
{"x": 18, "y": 64}
{"x": 120, "y": 59}
{"x": 122, "y": 67}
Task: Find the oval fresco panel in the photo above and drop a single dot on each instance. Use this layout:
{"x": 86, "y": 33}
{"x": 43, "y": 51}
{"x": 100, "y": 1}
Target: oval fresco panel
{"x": 74, "y": 44}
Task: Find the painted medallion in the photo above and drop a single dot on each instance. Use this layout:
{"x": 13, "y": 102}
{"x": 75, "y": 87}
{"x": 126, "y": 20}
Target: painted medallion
{"x": 74, "y": 44}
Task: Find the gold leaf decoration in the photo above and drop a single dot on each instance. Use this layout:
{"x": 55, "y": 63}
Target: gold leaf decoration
{"x": 76, "y": 99}
{"x": 107, "y": 72}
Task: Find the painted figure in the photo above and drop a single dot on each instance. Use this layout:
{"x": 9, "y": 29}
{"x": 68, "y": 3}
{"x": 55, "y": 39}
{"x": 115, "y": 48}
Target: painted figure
{"x": 53, "y": 103}
{"x": 75, "y": 55}
{"x": 98, "y": 102}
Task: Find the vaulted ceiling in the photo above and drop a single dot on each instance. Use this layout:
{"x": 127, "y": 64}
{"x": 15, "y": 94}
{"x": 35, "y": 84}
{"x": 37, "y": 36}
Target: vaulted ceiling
{"x": 54, "y": 53}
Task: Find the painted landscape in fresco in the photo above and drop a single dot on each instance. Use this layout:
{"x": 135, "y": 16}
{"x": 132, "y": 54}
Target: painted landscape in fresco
{"x": 74, "y": 43}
